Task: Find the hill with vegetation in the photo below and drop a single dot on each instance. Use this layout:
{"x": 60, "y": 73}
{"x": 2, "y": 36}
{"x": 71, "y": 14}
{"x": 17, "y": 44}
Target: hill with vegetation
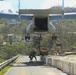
{"x": 65, "y": 31}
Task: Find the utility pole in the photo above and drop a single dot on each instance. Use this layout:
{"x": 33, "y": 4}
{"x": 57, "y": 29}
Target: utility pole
{"x": 18, "y": 4}
{"x": 39, "y": 42}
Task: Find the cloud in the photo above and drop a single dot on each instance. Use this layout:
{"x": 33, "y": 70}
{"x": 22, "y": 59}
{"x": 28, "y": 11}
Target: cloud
{"x": 70, "y": 3}
{"x": 49, "y": 3}
{"x": 5, "y": 6}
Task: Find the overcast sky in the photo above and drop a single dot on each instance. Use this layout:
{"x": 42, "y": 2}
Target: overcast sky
{"x": 34, "y": 4}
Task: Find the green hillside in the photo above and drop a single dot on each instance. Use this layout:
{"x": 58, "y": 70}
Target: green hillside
{"x": 2, "y": 25}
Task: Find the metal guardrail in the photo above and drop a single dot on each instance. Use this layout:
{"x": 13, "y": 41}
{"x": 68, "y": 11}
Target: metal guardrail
{"x": 8, "y": 61}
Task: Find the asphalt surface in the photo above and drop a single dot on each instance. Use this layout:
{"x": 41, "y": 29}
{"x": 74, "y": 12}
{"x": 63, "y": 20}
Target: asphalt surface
{"x": 23, "y": 66}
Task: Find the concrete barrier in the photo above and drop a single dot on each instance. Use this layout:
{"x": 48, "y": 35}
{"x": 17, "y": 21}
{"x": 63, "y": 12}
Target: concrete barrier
{"x": 53, "y": 62}
{"x": 65, "y": 65}
{"x": 74, "y": 69}
{"x": 50, "y": 61}
{"x": 57, "y": 63}
{"x": 71, "y": 68}
{"x": 60, "y": 64}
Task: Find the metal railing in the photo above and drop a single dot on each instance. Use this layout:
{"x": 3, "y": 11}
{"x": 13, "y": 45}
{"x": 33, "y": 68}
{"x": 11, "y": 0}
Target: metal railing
{"x": 3, "y": 64}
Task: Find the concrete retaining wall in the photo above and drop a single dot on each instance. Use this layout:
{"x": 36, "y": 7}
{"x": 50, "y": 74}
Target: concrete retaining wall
{"x": 64, "y": 65}
{"x": 74, "y": 69}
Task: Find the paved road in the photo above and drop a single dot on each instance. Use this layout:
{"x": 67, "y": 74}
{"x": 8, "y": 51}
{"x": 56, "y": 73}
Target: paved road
{"x": 24, "y": 67}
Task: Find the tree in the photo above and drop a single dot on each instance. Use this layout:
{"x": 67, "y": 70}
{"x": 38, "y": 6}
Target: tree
{"x": 10, "y": 11}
